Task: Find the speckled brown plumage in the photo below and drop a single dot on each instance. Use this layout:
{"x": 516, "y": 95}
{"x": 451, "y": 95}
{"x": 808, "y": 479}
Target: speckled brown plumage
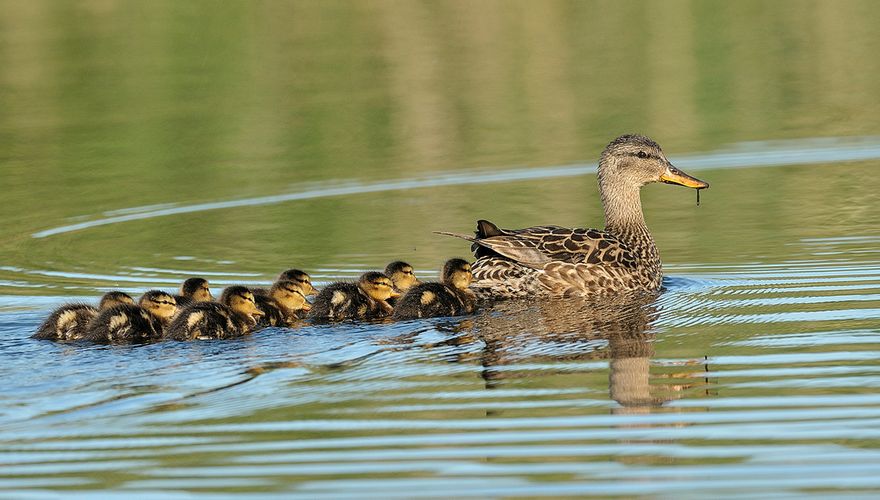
{"x": 573, "y": 262}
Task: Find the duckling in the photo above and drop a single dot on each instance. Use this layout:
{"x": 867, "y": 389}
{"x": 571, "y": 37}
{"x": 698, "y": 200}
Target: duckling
{"x": 70, "y": 321}
{"x": 235, "y": 315}
{"x": 364, "y": 300}
{"x": 193, "y": 290}
{"x": 283, "y": 304}
{"x": 114, "y": 298}
{"x": 295, "y": 275}
{"x": 402, "y": 276}
{"x": 134, "y": 323}
{"x": 449, "y": 298}
{"x": 300, "y": 277}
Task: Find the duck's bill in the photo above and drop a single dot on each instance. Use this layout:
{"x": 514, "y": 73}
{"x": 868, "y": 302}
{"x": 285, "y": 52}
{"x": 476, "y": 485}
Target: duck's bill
{"x": 676, "y": 176}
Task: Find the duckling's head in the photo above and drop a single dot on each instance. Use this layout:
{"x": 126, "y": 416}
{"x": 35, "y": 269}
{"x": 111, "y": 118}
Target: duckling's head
{"x": 300, "y": 277}
{"x": 196, "y": 289}
{"x": 635, "y": 160}
{"x": 377, "y": 286}
{"x": 160, "y": 304}
{"x": 241, "y": 300}
{"x": 114, "y": 298}
{"x": 457, "y": 273}
{"x": 402, "y": 275}
{"x": 290, "y": 295}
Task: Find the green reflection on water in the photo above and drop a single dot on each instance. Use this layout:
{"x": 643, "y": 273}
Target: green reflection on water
{"x": 111, "y": 105}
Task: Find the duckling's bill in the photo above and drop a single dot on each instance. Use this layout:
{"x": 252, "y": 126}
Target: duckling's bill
{"x": 673, "y": 175}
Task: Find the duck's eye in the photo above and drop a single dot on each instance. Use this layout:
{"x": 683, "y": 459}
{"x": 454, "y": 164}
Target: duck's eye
{"x": 642, "y": 154}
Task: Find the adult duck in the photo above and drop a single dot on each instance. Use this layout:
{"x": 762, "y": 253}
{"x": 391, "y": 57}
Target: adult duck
{"x": 553, "y": 261}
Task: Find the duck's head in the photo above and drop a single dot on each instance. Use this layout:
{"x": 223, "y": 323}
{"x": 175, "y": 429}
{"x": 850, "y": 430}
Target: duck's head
{"x": 377, "y": 286}
{"x": 300, "y": 277}
{"x": 114, "y": 298}
{"x": 241, "y": 300}
{"x": 402, "y": 275}
{"x": 196, "y": 289}
{"x": 160, "y": 304}
{"x": 290, "y": 295}
{"x": 635, "y": 160}
{"x": 457, "y": 273}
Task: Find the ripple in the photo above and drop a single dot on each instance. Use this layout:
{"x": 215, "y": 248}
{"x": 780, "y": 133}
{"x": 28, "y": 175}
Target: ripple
{"x": 723, "y": 376}
{"x": 752, "y": 154}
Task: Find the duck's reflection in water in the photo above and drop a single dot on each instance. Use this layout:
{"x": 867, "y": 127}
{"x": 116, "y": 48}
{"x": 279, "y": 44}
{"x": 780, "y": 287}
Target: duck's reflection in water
{"x": 555, "y": 332}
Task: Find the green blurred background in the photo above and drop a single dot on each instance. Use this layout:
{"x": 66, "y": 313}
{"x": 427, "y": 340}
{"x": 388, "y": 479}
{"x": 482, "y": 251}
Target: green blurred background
{"x": 109, "y": 105}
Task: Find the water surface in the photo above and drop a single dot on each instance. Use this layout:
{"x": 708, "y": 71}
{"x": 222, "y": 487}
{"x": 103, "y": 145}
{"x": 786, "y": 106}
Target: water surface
{"x": 142, "y": 143}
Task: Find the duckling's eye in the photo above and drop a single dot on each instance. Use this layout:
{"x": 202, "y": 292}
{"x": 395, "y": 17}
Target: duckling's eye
{"x": 642, "y": 154}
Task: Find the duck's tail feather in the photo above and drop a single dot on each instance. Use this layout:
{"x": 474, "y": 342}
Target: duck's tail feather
{"x": 457, "y": 235}
{"x": 486, "y": 229}
{"x": 476, "y": 248}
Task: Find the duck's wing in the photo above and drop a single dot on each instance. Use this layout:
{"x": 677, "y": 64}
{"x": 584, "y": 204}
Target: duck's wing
{"x": 538, "y": 246}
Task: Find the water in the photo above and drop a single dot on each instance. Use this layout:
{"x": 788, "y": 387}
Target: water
{"x": 142, "y": 143}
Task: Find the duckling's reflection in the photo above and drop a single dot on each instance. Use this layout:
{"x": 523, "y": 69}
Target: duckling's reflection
{"x": 514, "y": 332}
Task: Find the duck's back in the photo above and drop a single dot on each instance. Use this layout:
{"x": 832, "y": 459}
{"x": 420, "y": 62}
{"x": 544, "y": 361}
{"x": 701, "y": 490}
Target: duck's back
{"x": 205, "y": 320}
{"x": 273, "y": 315}
{"x": 429, "y": 300}
{"x": 124, "y": 323}
{"x": 182, "y": 300}
{"x": 562, "y": 262}
{"x": 68, "y": 322}
{"x": 339, "y": 301}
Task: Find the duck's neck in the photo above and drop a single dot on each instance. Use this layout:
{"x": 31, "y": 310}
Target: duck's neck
{"x": 624, "y": 219}
{"x": 623, "y": 208}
